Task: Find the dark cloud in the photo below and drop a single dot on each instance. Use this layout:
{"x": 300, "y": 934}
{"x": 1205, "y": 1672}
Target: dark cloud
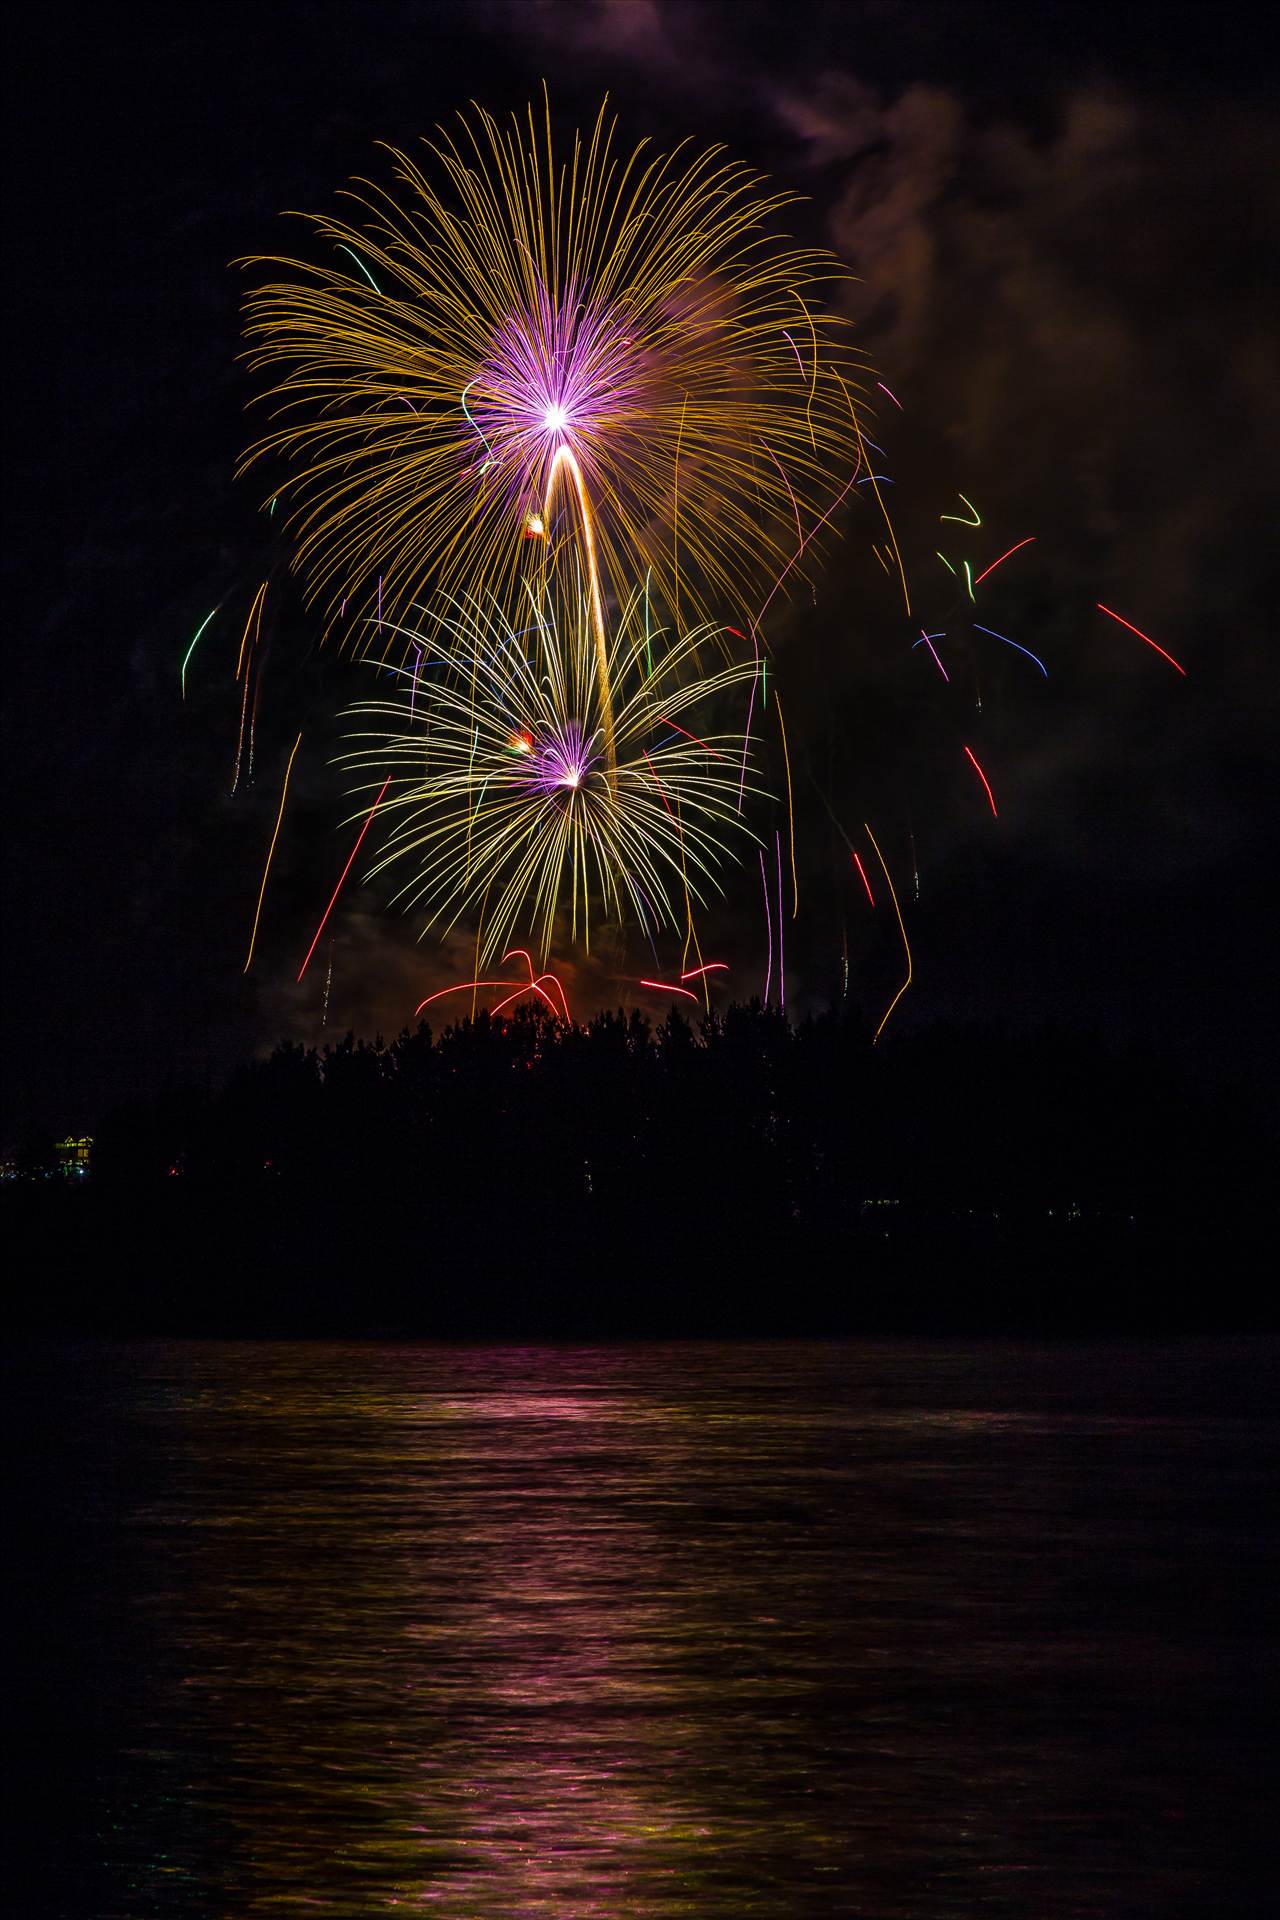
{"x": 1079, "y": 317}
{"x": 677, "y": 47}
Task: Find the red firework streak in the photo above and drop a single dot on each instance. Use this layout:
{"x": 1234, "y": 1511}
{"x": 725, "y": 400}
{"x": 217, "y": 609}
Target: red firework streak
{"x": 1142, "y": 636}
{"x": 345, "y": 871}
{"x": 982, "y": 776}
{"x": 1003, "y": 557}
{"x": 665, "y": 986}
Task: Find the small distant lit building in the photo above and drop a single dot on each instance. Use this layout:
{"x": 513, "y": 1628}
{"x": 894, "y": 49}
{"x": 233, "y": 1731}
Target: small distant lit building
{"x": 73, "y": 1155}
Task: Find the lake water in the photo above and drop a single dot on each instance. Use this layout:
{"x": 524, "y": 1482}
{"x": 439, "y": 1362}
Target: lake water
{"x": 785, "y": 1631}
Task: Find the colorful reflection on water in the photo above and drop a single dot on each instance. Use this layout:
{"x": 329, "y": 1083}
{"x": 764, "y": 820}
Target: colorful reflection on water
{"x": 706, "y": 1630}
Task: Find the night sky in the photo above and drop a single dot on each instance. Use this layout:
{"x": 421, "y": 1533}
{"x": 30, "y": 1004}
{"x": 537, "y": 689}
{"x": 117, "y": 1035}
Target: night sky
{"x": 1063, "y": 225}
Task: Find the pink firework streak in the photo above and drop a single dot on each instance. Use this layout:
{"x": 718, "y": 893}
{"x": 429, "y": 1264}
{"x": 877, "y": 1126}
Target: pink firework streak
{"x": 928, "y": 641}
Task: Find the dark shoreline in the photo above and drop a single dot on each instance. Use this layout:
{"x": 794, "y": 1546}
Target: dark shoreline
{"x": 227, "y": 1263}
{"x": 525, "y": 1179}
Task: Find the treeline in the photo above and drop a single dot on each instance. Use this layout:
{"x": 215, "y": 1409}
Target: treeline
{"x": 734, "y": 1174}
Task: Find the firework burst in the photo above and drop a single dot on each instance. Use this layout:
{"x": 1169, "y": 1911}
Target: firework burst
{"x": 514, "y": 336}
{"x": 498, "y": 796}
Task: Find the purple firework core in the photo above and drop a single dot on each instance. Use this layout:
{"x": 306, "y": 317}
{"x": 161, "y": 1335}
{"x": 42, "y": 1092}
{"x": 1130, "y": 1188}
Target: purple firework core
{"x": 556, "y": 375}
{"x": 561, "y": 762}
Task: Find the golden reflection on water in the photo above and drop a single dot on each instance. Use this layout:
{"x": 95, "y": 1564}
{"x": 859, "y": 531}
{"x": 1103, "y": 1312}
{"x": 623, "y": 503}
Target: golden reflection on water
{"x": 649, "y": 1632}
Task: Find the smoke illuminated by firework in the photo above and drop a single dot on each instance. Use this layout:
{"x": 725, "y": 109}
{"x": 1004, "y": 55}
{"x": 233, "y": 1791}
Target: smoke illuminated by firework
{"x": 498, "y": 794}
{"x": 521, "y": 331}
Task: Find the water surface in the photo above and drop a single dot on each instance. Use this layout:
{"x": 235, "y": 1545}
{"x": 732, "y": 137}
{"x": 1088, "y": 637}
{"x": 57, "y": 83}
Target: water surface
{"x": 777, "y": 1631}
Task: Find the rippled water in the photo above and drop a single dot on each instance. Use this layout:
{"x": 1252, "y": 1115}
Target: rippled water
{"x": 706, "y": 1630}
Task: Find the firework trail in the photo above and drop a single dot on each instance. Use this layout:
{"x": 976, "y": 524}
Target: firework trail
{"x": 191, "y": 649}
{"x": 342, "y": 876}
{"x": 927, "y": 640}
{"x": 243, "y": 664}
{"x": 665, "y": 986}
{"x": 768, "y": 921}
{"x": 901, "y": 929}
{"x": 1014, "y": 644}
{"x": 782, "y": 977}
{"x": 522, "y": 989}
{"x": 1142, "y": 636}
{"x": 1003, "y": 557}
{"x": 960, "y": 519}
{"x": 328, "y": 982}
{"x": 982, "y": 776}
{"x": 262, "y": 891}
